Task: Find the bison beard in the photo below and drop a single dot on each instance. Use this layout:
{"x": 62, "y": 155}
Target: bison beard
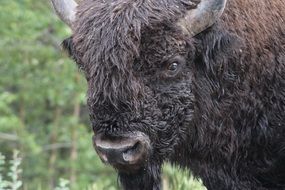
{"x": 213, "y": 103}
{"x": 147, "y": 178}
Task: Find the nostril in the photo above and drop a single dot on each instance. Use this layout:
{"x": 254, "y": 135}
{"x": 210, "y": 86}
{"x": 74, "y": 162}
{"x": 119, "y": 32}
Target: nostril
{"x": 135, "y": 153}
{"x": 132, "y": 149}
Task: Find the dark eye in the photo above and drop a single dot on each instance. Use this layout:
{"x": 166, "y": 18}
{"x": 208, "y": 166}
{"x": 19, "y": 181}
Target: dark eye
{"x": 173, "y": 66}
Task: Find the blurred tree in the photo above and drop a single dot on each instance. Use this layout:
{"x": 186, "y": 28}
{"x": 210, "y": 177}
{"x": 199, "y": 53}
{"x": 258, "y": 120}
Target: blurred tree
{"x": 42, "y": 98}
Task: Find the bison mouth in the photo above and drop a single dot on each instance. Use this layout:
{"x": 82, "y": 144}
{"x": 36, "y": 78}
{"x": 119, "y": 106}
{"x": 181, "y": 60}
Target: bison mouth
{"x": 127, "y": 153}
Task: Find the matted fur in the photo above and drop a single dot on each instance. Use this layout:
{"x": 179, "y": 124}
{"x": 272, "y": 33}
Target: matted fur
{"x": 114, "y": 32}
{"x": 222, "y": 114}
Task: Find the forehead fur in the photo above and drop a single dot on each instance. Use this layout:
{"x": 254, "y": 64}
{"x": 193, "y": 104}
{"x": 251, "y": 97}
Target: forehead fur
{"x": 107, "y": 36}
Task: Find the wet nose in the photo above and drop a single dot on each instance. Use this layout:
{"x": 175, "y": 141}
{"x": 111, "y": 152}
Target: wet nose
{"x": 126, "y": 153}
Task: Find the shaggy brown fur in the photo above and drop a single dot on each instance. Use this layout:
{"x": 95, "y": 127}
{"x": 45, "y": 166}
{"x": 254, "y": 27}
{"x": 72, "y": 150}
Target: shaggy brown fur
{"x": 220, "y": 114}
{"x": 261, "y": 25}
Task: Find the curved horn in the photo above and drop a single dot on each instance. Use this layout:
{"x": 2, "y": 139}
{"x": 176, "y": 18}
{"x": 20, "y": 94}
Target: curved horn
{"x": 202, "y": 17}
{"x": 66, "y": 10}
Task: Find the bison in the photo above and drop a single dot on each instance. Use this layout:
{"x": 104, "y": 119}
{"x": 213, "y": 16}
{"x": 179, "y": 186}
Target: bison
{"x": 197, "y": 83}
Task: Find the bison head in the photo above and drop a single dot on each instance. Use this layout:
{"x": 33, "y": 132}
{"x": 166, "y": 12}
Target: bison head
{"x": 138, "y": 58}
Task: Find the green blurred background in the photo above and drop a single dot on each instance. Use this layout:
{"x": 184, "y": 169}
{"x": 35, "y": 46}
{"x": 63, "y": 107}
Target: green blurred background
{"x": 43, "y": 111}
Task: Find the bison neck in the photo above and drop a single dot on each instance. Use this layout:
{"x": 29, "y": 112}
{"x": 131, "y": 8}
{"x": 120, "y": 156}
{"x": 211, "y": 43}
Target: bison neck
{"x": 238, "y": 127}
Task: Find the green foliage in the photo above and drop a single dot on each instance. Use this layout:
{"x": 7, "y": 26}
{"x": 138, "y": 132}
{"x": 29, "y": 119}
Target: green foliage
{"x": 42, "y": 108}
{"x": 3, "y": 184}
{"x": 178, "y": 179}
{"x": 13, "y": 174}
{"x": 104, "y": 185}
{"x": 63, "y": 184}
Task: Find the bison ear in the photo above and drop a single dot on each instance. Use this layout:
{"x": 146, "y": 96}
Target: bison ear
{"x": 68, "y": 46}
{"x": 203, "y": 16}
